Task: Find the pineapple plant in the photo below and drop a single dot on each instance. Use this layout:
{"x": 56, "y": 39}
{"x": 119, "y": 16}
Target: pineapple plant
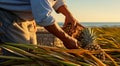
{"x": 46, "y": 56}
{"x": 87, "y": 55}
{"x": 86, "y": 38}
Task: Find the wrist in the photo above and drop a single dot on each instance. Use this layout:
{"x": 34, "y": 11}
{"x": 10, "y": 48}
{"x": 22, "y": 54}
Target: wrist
{"x": 68, "y": 16}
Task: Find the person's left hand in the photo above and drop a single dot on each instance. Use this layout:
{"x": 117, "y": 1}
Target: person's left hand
{"x": 70, "y": 20}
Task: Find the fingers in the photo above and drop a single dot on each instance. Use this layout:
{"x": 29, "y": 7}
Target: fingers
{"x": 71, "y": 43}
{"x": 73, "y": 25}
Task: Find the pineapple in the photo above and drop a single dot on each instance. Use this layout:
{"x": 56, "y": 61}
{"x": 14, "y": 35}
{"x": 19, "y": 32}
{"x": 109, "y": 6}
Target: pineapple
{"x": 73, "y": 32}
{"x": 86, "y": 37}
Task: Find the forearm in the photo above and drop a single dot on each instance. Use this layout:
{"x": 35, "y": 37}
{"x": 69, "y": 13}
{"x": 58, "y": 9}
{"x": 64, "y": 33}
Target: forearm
{"x": 64, "y": 10}
{"x": 68, "y": 41}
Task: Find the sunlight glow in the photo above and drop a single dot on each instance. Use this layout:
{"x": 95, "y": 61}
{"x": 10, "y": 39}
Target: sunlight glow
{"x": 93, "y": 10}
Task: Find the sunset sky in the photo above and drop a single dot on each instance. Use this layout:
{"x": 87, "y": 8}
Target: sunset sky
{"x": 93, "y": 10}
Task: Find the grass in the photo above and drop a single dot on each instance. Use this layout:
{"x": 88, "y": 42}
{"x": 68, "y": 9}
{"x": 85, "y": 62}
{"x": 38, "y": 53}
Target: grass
{"x": 107, "y": 37}
{"x": 109, "y": 40}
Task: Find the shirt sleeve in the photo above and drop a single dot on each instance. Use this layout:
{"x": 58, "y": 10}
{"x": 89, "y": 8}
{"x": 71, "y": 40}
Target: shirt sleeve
{"x": 58, "y": 4}
{"x": 41, "y": 10}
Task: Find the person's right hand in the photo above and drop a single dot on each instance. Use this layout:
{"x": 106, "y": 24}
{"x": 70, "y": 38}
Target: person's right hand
{"x": 71, "y": 43}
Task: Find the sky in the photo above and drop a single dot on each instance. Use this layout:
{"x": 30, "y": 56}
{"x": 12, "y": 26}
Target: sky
{"x": 92, "y": 10}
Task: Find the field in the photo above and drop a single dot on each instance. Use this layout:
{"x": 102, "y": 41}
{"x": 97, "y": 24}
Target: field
{"x": 107, "y": 37}
{"x": 109, "y": 40}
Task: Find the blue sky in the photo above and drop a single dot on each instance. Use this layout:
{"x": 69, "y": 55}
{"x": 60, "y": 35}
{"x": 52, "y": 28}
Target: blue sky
{"x": 93, "y": 10}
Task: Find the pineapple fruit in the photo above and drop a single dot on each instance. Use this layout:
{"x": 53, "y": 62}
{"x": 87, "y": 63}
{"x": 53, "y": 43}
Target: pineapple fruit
{"x": 86, "y": 37}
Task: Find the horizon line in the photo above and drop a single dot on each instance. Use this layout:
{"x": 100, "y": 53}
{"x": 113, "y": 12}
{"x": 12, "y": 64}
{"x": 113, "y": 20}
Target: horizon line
{"x": 96, "y": 21}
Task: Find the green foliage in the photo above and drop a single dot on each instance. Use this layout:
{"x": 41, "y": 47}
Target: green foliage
{"x": 35, "y": 55}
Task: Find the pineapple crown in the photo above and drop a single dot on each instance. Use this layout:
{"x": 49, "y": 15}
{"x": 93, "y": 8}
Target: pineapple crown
{"x": 87, "y": 37}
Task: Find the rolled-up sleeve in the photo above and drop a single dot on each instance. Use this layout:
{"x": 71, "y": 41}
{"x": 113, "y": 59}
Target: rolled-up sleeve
{"x": 58, "y": 4}
{"x": 41, "y": 10}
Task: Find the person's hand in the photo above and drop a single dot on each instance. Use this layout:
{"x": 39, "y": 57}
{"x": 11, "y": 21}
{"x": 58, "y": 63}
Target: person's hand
{"x": 71, "y": 43}
{"x": 70, "y": 20}
{"x": 68, "y": 16}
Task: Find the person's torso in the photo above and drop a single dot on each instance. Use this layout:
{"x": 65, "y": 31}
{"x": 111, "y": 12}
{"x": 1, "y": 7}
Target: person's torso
{"x": 22, "y": 8}
{"x": 19, "y": 5}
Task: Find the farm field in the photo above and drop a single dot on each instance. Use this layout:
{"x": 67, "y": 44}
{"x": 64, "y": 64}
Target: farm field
{"x": 107, "y": 37}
